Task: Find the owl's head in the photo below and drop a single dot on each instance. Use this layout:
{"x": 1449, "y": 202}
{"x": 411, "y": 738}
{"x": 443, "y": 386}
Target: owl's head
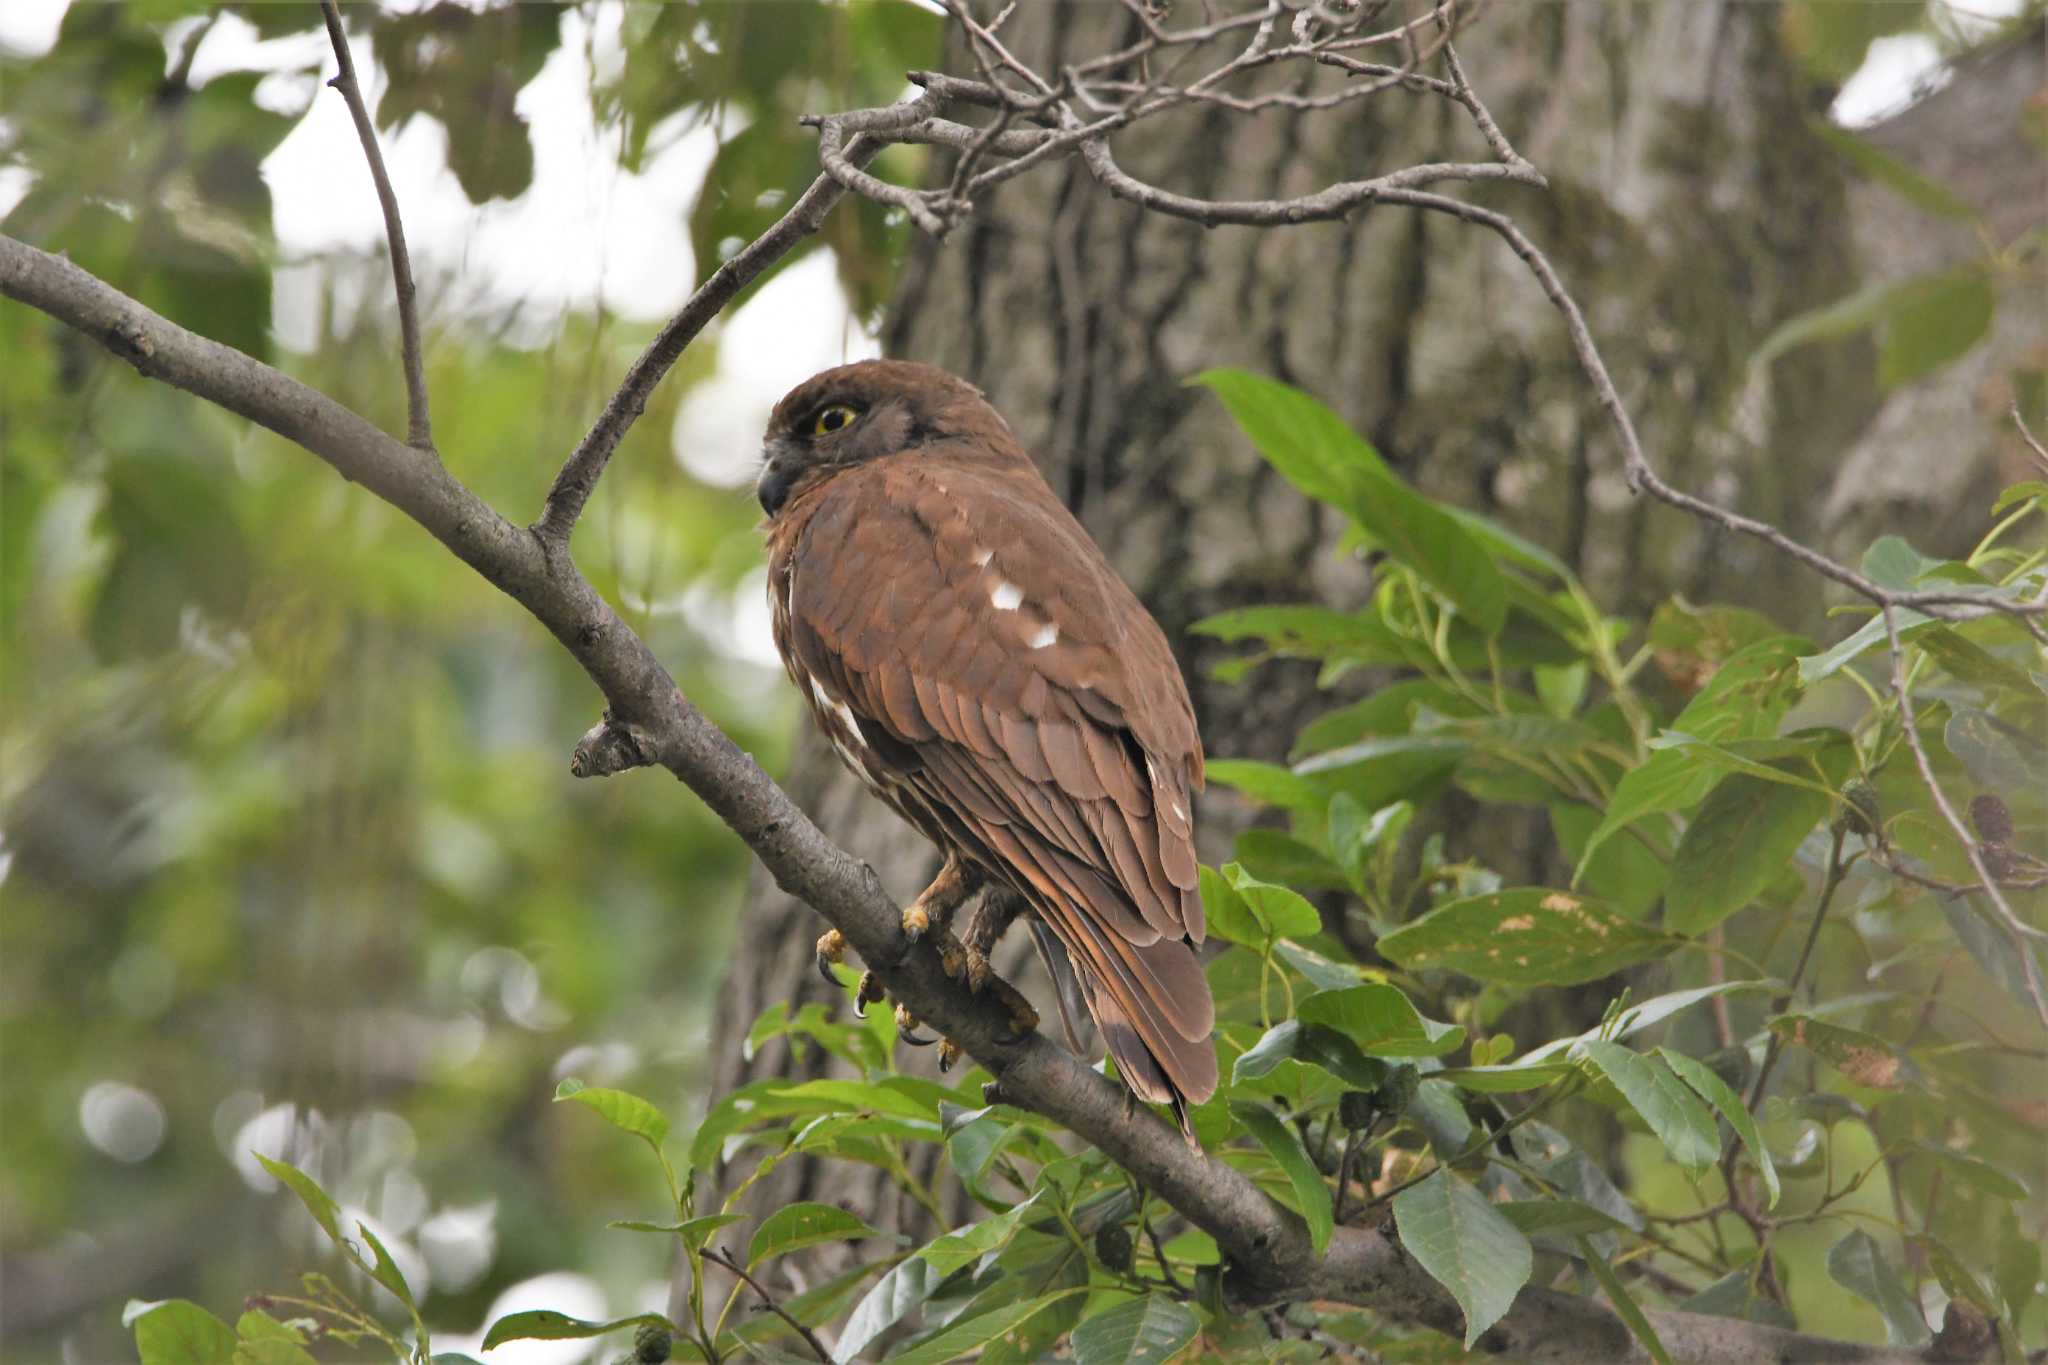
{"x": 854, "y": 413}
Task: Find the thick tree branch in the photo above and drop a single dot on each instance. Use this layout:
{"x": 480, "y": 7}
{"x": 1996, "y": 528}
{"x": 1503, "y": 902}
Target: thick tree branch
{"x": 419, "y": 426}
{"x": 1267, "y": 1246}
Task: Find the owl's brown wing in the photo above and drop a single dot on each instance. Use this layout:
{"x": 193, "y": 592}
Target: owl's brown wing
{"x": 1029, "y": 708}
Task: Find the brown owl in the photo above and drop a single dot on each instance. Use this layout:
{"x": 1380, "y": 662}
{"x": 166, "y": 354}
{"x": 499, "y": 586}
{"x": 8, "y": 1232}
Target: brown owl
{"x": 974, "y": 659}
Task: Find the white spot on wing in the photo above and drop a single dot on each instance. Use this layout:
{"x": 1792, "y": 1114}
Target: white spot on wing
{"x": 1045, "y": 636}
{"x": 845, "y": 714}
{"x": 982, "y": 557}
{"x": 1180, "y": 812}
{"x": 1007, "y": 595}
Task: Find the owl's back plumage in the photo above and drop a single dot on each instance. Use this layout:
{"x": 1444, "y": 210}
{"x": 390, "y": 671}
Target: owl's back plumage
{"x": 976, "y": 661}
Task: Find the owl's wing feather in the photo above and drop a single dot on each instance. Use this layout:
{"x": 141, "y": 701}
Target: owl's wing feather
{"x": 1019, "y": 690}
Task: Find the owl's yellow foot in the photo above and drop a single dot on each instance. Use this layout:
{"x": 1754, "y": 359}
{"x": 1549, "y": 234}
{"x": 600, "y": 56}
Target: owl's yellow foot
{"x": 916, "y": 920}
{"x": 868, "y": 993}
{"x": 831, "y": 950}
{"x": 957, "y": 880}
{"x": 1023, "y": 1018}
{"x": 964, "y": 963}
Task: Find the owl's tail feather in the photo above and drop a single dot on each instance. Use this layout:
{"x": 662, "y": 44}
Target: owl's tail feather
{"x": 1073, "y": 1009}
{"x": 1159, "y": 1064}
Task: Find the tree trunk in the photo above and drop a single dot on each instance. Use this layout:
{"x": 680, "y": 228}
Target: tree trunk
{"x": 1689, "y": 213}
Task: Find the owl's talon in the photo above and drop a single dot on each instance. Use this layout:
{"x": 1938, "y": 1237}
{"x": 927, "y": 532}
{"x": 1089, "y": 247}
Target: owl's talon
{"x": 1023, "y": 1018}
{"x": 831, "y": 949}
{"x": 869, "y": 992}
{"x": 949, "y": 1053}
{"x": 916, "y": 920}
{"x": 906, "y": 1028}
{"x": 978, "y": 972}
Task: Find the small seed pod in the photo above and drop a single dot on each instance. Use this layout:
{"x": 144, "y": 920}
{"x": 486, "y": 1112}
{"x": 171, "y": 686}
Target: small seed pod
{"x": 1357, "y": 1111}
{"x": 1861, "y": 813}
{"x": 1113, "y": 1247}
{"x": 1991, "y": 819}
{"x": 1397, "y": 1091}
{"x": 651, "y": 1344}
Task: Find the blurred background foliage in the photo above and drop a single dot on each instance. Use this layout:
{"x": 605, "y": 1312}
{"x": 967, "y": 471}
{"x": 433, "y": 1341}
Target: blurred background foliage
{"x": 291, "y": 857}
{"x": 291, "y": 851}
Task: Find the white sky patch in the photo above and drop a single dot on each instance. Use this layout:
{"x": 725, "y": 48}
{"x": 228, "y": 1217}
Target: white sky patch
{"x": 795, "y": 325}
{"x": 1896, "y": 72}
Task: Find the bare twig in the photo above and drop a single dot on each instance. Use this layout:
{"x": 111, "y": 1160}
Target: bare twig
{"x": 768, "y": 1301}
{"x": 2021, "y": 934}
{"x": 418, "y": 425}
{"x": 579, "y": 474}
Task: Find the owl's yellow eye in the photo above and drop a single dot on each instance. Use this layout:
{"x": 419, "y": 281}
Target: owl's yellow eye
{"x": 831, "y": 419}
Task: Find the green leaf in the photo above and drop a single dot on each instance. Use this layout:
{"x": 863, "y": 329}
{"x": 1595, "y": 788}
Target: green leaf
{"x": 1958, "y": 1280}
{"x": 1283, "y": 858}
{"x": 1858, "y": 1266}
{"x": 1999, "y": 756}
{"x": 1673, "y": 1112}
{"x": 1831, "y": 39}
{"x": 1745, "y": 699}
{"x": 1228, "y": 917}
{"x": 1310, "y": 1191}
{"x": 1971, "y": 1170}
{"x": 384, "y": 1270}
{"x": 857, "y": 1096}
{"x": 1933, "y": 320}
{"x": 1742, "y": 839}
{"x": 545, "y": 1324}
{"x": 1928, "y": 320}
{"x": 1728, "y": 1104}
{"x": 1895, "y": 175}
{"x": 801, "y": 1225}
{"x": 1314, "y": 1044}
{"x": 1281, "y": 913}
{"x": 1864, "y": 1058}
{"x": 1503, "y": 1080}
{"x": 1624, "y": 1303}
{"x": 695, "y": 1232}
{"x": 1655, "y": 1010}
{"x": 626, "y": 1112}
{"x": 1325, "y": 974}
{"x": 1558, "y": 1217}
{"x": 323, "y": 1208}
{"x": 900, "y": 1291}
{"x": 2015, "y": 494}
{"x": 1143, "y": 1331}
{"x": 1763, "y": 759}
{"x": 964, "y": 1246}
{"x": 1528, "y": 936}
{"x": 1267, "y": 783}
{"x": 179, "y": 1332}
{"x": 965, "y": 1338}
{"x": 1454, "y": 1232}
{"x": 1319, "y": 454}
{"x": 1380, "y": 1019}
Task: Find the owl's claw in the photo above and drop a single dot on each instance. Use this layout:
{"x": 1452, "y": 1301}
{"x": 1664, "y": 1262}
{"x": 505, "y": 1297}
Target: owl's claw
{"x": 868, "y": 993}
{"x": 831, "y": 950}
{"x": 949, "y": 1053}
{"x": 906, "y": 1028}
{"x": 1023, "y": 1018}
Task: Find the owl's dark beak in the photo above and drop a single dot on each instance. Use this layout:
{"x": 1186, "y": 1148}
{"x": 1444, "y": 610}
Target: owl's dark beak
{"x": 778, "y": 474}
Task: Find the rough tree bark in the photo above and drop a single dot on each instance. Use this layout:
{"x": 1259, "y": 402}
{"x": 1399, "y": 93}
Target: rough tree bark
{"x": 1690, "y": 212}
